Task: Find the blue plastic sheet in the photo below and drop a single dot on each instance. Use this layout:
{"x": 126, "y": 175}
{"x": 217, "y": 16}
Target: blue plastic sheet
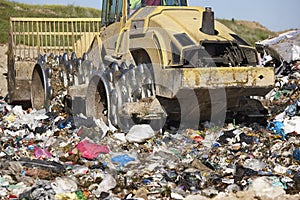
{"x": 296, "y": 154}
{"x": 122, "y": 159}
{"x": 277, "y": 127}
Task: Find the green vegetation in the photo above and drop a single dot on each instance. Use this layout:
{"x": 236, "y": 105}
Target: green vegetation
{"x": 11, "y": 9}
{"x": 249, "y": 31}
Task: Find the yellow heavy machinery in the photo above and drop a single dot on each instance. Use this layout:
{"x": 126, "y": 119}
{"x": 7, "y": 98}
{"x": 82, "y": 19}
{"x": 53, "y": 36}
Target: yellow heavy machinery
{"x": 142, "y": 64}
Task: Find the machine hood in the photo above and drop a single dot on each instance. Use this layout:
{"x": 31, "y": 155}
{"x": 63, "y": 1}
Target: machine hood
{"x": 191, "y": 37}
{"x": 188, "y": 20}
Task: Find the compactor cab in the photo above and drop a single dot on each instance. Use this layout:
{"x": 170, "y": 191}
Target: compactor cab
{"x": 120, "y": 10}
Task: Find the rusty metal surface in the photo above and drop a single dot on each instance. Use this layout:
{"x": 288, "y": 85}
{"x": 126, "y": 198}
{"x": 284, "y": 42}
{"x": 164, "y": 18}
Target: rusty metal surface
{"x": 22, "y": 80}
{"x": 246, "y": 80}
{"x": 228, "y": 77}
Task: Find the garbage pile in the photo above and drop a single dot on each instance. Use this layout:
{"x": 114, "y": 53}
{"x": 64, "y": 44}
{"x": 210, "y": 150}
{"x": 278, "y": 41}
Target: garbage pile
{"x": 58, "y": 155}
{"x": 282, "y": 52}
{"x": 53, "y": 155}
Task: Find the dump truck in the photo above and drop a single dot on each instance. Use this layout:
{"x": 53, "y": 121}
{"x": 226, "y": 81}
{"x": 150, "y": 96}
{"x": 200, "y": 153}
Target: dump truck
{"x": 156, "y": 60}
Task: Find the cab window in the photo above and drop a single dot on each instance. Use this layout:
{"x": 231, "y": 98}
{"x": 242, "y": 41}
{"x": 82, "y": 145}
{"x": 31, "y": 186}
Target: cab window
{"x": 175, "y": 2}
{"x": 111, "y": 11}
{"x": 136, "y": 4}
{"x": 164, "y": 2}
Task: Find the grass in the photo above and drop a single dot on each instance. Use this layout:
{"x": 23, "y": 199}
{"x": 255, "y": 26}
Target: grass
{"x": 249, "y": 31}
{"x": 12, "y": 9}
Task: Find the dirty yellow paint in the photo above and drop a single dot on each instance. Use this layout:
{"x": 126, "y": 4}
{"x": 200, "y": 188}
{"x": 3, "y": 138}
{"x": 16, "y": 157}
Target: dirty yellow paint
{"x": 215, "y": 77}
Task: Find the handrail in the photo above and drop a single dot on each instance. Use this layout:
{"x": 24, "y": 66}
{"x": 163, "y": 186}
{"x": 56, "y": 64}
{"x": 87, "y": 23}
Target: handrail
{"x": 29, "y": 37}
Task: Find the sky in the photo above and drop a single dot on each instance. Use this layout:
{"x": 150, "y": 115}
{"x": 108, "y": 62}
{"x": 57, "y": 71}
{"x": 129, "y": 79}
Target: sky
{"x": 276, "y": 15}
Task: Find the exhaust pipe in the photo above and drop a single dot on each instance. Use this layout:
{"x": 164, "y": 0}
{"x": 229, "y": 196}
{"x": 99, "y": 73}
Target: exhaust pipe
{"x": 208, "y": 22}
